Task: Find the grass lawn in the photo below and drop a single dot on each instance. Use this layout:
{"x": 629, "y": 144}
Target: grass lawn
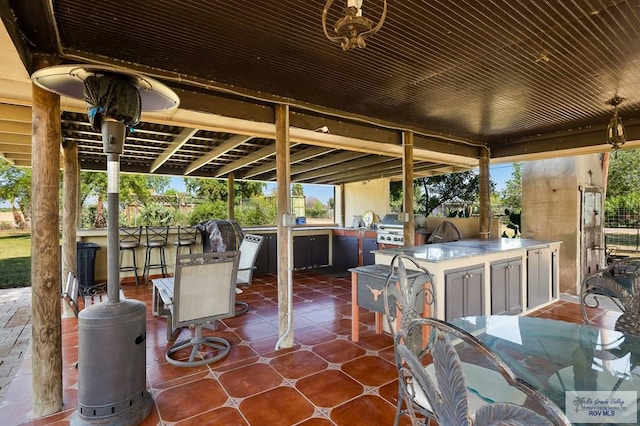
{"x": 15, "y": 259}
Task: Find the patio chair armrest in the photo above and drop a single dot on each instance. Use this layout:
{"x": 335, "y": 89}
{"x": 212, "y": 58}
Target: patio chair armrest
{"x": 166, "y": 296}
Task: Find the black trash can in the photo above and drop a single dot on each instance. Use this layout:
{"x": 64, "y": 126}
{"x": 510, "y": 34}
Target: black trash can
{"x": 220, "y": 235}
{"x": 86, "y": 257}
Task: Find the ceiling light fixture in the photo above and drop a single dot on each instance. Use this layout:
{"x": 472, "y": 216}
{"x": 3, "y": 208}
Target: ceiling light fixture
{"x": 353, "y": 28}
{"x": 616, "y": 135}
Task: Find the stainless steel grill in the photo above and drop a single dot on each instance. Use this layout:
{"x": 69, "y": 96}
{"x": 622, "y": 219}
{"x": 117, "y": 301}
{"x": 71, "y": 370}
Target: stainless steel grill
{"x": 391, "y": 230}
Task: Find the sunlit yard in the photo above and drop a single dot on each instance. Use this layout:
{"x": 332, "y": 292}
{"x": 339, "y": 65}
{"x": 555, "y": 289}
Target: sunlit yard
{"x": 15, "y": 259}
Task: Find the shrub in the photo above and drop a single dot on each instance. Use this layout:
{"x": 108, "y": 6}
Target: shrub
{"x": 6, "y": 226}
{"x": 157, "y": 214}
{"x": 257, "y": 211}
{"x": 208, "y": 211}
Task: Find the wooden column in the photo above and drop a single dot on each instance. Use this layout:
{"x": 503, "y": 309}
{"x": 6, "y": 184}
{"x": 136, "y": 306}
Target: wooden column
{"x": 70, "y": 209}
{"x": 45, "y": 254}
{"x": 407, "y": 188}
{"x": 283, "y": 178}
{"x": 485, "y": 201}
{"x": 231, "y": 199}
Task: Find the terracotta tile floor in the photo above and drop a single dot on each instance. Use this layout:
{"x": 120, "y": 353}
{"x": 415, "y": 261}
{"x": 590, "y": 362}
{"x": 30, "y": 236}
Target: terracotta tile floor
{"x": 326, "y": 379}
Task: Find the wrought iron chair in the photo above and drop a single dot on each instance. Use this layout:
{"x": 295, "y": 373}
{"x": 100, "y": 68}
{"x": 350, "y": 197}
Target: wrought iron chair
{"x": 187, "y": 237}
{"x": 202, "y": 292}
{"x": 156, "y": 238}
{"x": 442, "y": 391}
{"x": 410, "y": 297}
{"x": 407, "y": 292}
{"x": 620, "y": 283}
{"x": 130, "y": 241}
{"x": 90, "y": 296}
{"x": 70, "y": 295}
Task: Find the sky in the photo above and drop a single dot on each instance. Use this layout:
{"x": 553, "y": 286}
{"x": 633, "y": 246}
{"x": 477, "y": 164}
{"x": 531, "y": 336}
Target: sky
{"x": 500, "y": 174}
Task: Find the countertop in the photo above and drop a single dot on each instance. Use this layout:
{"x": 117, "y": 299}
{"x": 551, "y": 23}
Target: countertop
{"x": 465, "y": 248}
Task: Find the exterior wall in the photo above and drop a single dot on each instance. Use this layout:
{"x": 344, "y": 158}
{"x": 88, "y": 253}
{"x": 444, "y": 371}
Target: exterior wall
{"x": 468, "y": 226}
{"x": 551, "y": 208}
{"x": 367, "y": 195}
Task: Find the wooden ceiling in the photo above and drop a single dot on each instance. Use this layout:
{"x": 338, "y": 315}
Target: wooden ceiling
{"x": 526, "y": 79}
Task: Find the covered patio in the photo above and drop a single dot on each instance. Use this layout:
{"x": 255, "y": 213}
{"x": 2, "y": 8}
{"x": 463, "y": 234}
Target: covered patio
{"x": 324, "y": 379}
{"x": 263, "y": 94}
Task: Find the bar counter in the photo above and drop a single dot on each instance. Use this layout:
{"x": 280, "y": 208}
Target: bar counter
{"x": 483, "y": 277}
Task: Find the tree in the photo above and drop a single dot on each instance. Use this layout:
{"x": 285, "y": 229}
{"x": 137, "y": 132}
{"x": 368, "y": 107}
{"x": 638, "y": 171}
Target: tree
{"x": 461, "y": 187}
{"x": 134, "y": 189}
{"x": 297, "y": 190}
{"x": 624, "y": 174}
{"x": 622, "y": 203}
{"x": 511, "y": 196}
{"x": 216, "y": 189}
{"x": 15, "y": 188}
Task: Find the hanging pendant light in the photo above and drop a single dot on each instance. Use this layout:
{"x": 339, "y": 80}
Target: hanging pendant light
{"x": 616, "y": 135}
{"x": 353, "y": 28}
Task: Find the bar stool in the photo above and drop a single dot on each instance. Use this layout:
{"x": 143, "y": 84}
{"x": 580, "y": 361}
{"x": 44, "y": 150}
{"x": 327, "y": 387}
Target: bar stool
{"x": 156, "y": 238}
{"x": 187, "y": 236}
{"x": 130, "y": 240}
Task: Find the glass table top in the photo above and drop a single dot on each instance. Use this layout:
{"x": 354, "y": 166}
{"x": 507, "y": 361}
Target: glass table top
{"x": 557, "y": 356}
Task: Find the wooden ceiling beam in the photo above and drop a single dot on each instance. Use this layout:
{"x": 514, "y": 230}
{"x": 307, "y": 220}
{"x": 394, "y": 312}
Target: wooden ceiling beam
{"x": 14, "y": 149}
{"x": 344, "y": 166}
{"x": 173, "y": 147}
{"x": 224, "y": 147}
{"x": 327, "y": 162}
{"x": 377, "y": 169}
{"x": 14, "y": 139}
{"x": 303, "y": 155}
{"x": 17, "y": 113}
{"x": 246, "y": 160}
{"x": 15, "y": 127}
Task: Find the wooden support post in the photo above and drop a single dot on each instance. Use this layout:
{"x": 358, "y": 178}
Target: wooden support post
{"x": 70, "y": 209}
{"x": 485, "y": 201}
{"x": 407, "y": 188}
{"x": 46, "y": 335}
{"x": 231, "y": 199}
{"x": 283, "y": 179}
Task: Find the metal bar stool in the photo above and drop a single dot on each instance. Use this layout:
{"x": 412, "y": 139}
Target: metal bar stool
{"x": 130, "y": 240}
{"x": 187, "y": 236}
{"x": 156, "y": 238}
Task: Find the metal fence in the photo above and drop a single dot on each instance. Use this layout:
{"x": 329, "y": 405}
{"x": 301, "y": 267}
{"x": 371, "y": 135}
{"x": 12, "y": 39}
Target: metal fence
{"x": 622, "y": 230}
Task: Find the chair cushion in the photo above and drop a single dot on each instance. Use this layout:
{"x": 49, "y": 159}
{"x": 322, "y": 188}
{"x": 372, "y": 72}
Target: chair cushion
{"x": 156, "y": 244}
{"x": 484, "y": 386}
{"x": 128, "y": 244}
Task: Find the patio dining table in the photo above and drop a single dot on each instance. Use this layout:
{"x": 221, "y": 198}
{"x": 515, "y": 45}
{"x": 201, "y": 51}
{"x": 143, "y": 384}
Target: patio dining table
{"x": 566, "y": 361}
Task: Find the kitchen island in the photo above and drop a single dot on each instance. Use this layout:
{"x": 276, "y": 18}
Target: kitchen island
{"x": 487, "y": 277}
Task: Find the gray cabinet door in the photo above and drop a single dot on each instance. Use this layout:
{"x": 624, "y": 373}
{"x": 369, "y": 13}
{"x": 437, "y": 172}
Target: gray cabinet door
{"x": 310, "y": 251}
{"x": 369, "y": 245}
{"x": 319, "y": 250}
{"x": 506, "y": 287}
{"x": 345, "y": 252}
{"x": 538, "y": 275}
{"x": 464, "y": 292}
{"x": 267, "y": 261}
{"x": 302, "y": 252}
